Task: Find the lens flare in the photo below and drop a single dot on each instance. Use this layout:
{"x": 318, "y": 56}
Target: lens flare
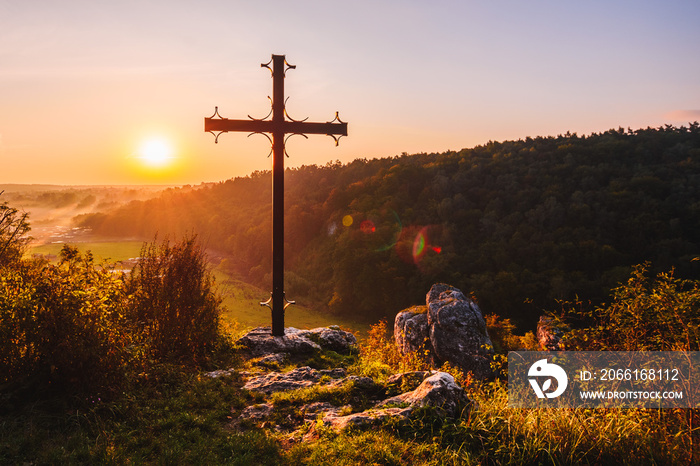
{"x": 367, "y": 227}
{"x": 415, "y": 243}
{"x": 391, "y": 229}
{"x": 347, "y": 220}
{"x": 419, "y": 246}
{"x": 332, "y": 228}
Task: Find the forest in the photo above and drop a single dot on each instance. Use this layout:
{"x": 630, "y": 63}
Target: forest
{"x": 520, "y": 225}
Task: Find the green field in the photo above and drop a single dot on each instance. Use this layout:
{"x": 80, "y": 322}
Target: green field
{"x": 241, "y": 301}
{"x": 243, "y": 311}
{"x": 112, "y": 251}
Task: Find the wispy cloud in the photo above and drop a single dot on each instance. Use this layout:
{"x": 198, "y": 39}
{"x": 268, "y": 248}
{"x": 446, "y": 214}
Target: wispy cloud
{"x": 684, "y": 115}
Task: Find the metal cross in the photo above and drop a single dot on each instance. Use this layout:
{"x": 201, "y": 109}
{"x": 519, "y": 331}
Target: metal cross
{"x": 281, "y": 127}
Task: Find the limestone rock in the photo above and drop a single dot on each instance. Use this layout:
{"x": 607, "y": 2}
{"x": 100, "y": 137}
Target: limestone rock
{"x": 301, "y": 377}
{"x": 260, "y": 342}
{"x": 439, "y": 390}
{"x": 458, "y": 332}
{"x": 365, "y": 418}
{"x": 450, "y": 328}
{"x": 332, "y": 338}
{"x": 411, "y": 331}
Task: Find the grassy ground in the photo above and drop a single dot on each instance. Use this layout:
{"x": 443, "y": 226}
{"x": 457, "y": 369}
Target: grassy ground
{"x": 179, "y": 416}
{"x": 176, "y": 414}
{"x": 243, "y": 311}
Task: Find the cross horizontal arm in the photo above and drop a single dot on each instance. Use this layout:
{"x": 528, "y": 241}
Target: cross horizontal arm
{"x": 306, "y": 127}
{"x": 269, "y": 126}
{"x": 246, "y": 126}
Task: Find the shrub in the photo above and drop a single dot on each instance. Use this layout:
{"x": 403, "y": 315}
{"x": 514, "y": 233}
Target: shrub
{"x": 80, "y": 327}
{"x": 660, "y": 314}
{"x": 379, "y": 356}
{"x": 501, "y": 332}
{"x": 63, "y": 325}
{"x": 173, "y": 299}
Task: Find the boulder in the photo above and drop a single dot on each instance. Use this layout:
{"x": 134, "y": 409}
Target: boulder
{"x": 458, "y": 332}
{"x": 439, "y": 390}
{"x": 450, "y": 328}
{"x": 331, "y": 338}
{"x": 260, "y": 342}
{"x": 411, "y": 331}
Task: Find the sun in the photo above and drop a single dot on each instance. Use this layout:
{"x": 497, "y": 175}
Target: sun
{"x": 156, "y": 153}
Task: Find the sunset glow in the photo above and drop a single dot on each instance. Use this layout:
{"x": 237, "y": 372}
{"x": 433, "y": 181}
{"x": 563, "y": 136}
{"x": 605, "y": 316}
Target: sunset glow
{"x": 156, "y": 153}
{"x": 106, "y": 74}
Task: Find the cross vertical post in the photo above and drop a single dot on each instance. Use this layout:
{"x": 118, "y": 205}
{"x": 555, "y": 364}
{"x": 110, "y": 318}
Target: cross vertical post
{"x": 280, "y": 127}
{"x": 278, "y": 305}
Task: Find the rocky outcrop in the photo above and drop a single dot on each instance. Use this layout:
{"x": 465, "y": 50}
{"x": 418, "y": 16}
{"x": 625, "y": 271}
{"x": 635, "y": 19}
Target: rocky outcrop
{"x": 301, "y": 377}
{"x": 450, "y": 328}
{"x": 439, "y": 391}
{"x": 412, "y": 325}
{"x": 415, "y": 389}
{"x": 332, "y": 338}
{"x": 365, "y": 418}
{"x": 260, "y": 342}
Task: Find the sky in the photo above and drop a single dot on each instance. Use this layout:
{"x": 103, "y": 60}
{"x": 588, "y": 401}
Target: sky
{"x": 115, "y": 92}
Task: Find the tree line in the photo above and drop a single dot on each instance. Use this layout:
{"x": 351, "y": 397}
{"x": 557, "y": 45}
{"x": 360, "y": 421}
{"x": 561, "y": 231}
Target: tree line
{"x": 519, "y": 224}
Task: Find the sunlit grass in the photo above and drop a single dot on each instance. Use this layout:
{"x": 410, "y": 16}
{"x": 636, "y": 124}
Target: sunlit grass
{"x": 241, "y": 303}
{"x": 111, "y": 251}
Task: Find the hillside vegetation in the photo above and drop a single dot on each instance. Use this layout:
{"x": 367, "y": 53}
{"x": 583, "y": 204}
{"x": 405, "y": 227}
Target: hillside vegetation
{"x": 99, "y": 367}
{"x": 520, "y": 224}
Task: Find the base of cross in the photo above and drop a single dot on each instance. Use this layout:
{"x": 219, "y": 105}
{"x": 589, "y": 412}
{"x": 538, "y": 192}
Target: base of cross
{"x": 277, "y": 304}
{"x": 260, "y": 342}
